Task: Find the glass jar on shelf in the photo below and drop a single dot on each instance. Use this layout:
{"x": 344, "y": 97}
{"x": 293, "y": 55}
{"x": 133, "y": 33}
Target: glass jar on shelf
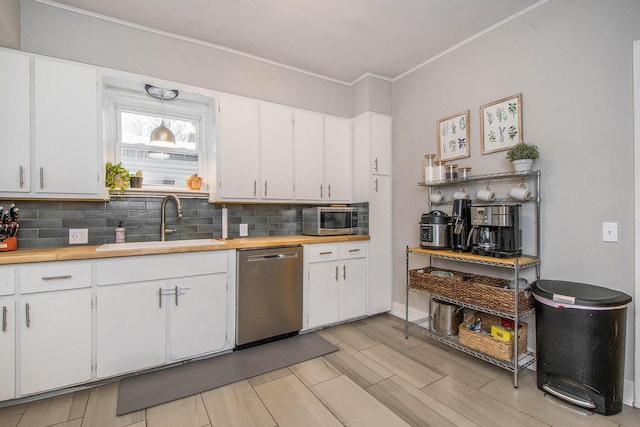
{"x": 429, "y": 168}
{"x": 441, "y": 170}
{"x": 452, "y": 172}
{"x": 463, "y": 173}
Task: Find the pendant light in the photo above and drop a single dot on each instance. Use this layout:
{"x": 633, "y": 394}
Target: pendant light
{"x": 162, "y": 134}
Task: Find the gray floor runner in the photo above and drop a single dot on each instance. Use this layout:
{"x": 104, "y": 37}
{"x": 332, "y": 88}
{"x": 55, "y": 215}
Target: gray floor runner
{"x": 146, "y": 390}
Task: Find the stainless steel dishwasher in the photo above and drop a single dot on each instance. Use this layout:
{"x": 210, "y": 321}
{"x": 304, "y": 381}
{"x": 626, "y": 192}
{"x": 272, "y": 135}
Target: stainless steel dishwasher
{"x": 269, "y": 295}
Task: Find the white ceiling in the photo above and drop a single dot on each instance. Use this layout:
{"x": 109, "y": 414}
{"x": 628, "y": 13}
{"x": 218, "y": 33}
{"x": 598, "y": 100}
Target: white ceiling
{"x": 338, "y": 39}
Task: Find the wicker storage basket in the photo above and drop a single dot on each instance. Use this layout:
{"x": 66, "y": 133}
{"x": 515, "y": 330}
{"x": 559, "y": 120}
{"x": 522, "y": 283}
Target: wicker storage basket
{"x": 487, "y": 344}
{"x": 493, "y": 293}
{"x": 443, "y": 286}
{"x": 484, "y": 291}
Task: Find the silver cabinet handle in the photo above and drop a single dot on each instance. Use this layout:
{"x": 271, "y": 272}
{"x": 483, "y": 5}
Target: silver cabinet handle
{"x": 160, "y": 297}
{"x": 177, "y": 293}
{"x": 376, "y": 185}
{"x": 354, "y": 250}
{"x": 41, "y": 178}
{"x": 321, "y": 191}
{"x": 326, "y": 253}
{"x": 336, "y": 273}
{"x": 21, "y": 171}
{"x": 61, "y": 277}
{"x": 265, "y": 188}
{"x": 27, "y": 309}
{"x": 344, "y": 272}
{"x": 376, "y": 164}
{"x": 255, "y": 187}
{"x": 4, "y": 318}
{"x": 329, "y": 190}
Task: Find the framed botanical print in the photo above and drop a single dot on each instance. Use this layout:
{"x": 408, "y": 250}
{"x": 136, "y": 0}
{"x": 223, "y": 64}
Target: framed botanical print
{"x": 501, "y": 124}
{"x": 453, "y": 136}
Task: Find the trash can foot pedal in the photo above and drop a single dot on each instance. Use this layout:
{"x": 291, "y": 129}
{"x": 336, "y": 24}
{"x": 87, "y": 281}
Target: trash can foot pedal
{"x": 568, "y": 397}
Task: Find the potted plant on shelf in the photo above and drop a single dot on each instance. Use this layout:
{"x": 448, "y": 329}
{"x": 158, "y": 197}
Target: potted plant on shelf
{"x": 116, "y": 176}
{"x": 522, "y": 156}
{"x": 136, "y": 179}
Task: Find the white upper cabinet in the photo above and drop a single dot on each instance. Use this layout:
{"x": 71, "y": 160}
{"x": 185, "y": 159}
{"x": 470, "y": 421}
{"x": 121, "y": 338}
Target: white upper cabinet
{"x": 51, "y": 137}
{"x": 308, "y": 156}
{"x": 337, "y": 148}
{"x": 15, "y": 111}
{"x": 238, "y": 156}
{"x": 380, "y": 144}
{"x": 67, "y": 159}
{"x": 276, "y": 152}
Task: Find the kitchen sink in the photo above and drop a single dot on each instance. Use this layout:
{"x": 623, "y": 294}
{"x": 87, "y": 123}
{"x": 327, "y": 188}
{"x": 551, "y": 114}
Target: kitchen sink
{"x": 158, "y": 244}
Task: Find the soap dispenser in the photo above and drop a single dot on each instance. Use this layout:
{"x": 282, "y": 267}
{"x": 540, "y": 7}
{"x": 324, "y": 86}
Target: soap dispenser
{"x": 120, "y": 236}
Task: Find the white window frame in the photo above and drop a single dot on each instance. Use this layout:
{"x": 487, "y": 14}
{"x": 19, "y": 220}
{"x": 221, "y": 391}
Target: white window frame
{"x": 201, "y": 111}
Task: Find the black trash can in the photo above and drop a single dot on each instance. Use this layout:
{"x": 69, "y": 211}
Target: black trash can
{"x": 580, "y": 340}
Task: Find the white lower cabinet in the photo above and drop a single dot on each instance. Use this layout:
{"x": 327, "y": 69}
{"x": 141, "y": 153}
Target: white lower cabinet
{"x": 337, "y": 282}
{"x": 7, "y": 333}
{"x": 8, "y": 348}
{"x": 176, "y": 309}
{"x": 55, "y": 340}
{"x": 54, "y": 325}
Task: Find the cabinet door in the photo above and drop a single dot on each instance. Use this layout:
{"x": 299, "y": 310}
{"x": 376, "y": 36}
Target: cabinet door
{"x": 337, "y": 146}
{"x": 308, "y": 156}
{"x": 55, "y": 340}
{"x": 131, "y": 327}
{"x": 380, "y": 244}
{"x": 380, "y": 144}
{"x": 323, "y": 293}
{"x": 15, "y": 120}
{"x": 353, "y": 288}
{"x": 276, "y": 152}
{"x": 7, "y": 348}
{"x": 198, "y": 315}
{"x": 66, "y": 129}
{"x": 238, "y": 153}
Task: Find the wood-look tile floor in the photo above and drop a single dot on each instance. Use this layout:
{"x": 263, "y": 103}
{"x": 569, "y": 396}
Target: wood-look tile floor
{"x": 377, "y": 378}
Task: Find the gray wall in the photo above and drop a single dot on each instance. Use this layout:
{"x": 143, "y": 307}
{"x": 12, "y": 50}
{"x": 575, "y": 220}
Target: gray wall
{"x": 572, "y": 62}
{"x": 56, "y": 32}
{"x": 371, "y": 94}
{"x": 10, "y": 23}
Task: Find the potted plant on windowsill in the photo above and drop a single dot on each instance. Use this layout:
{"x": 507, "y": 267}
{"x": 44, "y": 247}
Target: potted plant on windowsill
{"x": 522, "y": 156}
{"x": 116, "y": 176}
{"x": 136, "y": 179}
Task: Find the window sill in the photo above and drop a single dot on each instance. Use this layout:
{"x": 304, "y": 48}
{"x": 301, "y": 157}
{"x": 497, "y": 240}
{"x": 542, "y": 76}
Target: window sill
{"x": 151, "y": 191}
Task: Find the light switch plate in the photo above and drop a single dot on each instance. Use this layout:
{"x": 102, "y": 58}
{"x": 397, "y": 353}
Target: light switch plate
{"x": 609, "y": 231}
{"x": 244, "y": 230}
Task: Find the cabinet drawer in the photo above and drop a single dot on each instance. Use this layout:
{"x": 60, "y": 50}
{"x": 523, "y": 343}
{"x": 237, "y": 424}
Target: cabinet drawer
{"x": 321, "y": 253}
{"x": 7, "y": 281}
{"x": 159, "y": 267}
{"x": 353, "y": 250}
{"x": 55, "y": 276}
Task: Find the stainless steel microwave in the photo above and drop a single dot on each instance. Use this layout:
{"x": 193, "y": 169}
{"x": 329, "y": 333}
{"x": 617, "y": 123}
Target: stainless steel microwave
{"x": 329, "y": 221}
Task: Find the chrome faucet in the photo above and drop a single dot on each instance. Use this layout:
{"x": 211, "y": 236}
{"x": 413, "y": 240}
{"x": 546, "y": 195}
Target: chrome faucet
{"x": 163, "y": 226}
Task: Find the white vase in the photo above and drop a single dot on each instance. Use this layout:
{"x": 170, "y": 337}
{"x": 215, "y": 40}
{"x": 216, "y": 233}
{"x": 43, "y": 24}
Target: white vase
{"x": 522, "y": 165}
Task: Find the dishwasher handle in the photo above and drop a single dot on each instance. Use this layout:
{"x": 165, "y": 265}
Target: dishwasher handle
{"x": 253, "y": 258}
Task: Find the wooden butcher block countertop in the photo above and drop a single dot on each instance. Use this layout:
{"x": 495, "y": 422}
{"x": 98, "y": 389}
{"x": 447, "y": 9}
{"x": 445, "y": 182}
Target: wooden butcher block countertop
{"x": 92, "y": 252}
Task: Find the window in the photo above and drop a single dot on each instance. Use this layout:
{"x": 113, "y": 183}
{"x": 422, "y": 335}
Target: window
{"x": 132, "y": 118}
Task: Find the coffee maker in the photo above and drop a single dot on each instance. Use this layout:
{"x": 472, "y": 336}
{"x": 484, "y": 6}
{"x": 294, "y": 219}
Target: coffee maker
{"x": 461, "y": 225}
{"x": 496, "y": 230}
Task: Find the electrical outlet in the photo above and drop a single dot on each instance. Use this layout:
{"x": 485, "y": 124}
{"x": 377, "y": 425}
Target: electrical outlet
{"x": 78, "y": 236}
{"x": 244, "y": 230}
